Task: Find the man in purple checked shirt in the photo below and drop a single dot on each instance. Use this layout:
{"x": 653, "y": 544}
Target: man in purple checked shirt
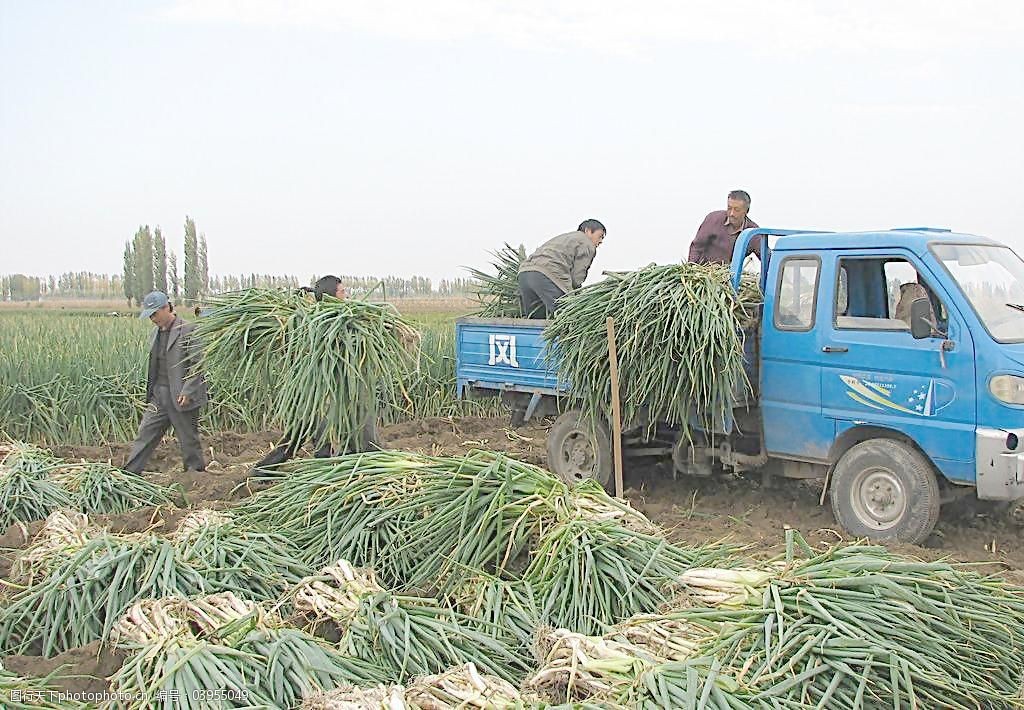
{"x": 718, "y": 232}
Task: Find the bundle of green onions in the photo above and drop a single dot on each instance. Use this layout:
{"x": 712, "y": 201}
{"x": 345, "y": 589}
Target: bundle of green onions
{"x": 26, "y": 492}
{"x": 419, "y": 521}
{"x": 679, "y": 341}
{"x": 352, "y": 697}
{"x": 667, "y": 637}
{"x": 462, "y": 687}
{"x": 592, "y": 574}
{"x": 498, "y": 292}
{"x": 34, "y": 483}
{"x": 21, "y": 693}
{"x": 700, "y": 683}
{"x": 322, "y": 363}
{"x": 85, "y": 590}
{"x": 482, "y": 512}
{"x": 277, "y": 662}
{"x": 168, "y": 666}
{"x": 97, "y": 487}
{"x": 855, "y": 624}
{"x": 409, "y": 636}
{"x": 578, "y": 667}
{"x": 29, "y": 458}
{"x": 509, "y": 606}
{"x": 710, "y": 586}
{"x": 260, "y": 565}
{"x": 63, "y": 533}
{"x": 590, "y": 500}
{"x": 350, "y": 507}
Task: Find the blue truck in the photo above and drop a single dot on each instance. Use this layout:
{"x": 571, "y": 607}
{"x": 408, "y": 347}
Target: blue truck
{"x": 889, "y": 363}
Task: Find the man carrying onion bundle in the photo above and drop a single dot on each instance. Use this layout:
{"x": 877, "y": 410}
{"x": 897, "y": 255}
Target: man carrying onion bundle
{"x": 717, "y": 234}
{"x": 175, "y": 391}
{"x": 291, "y": 443}
{"x": 557, "y": 267}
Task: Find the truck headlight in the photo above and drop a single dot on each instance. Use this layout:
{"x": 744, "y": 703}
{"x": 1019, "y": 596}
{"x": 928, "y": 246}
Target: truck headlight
{"x": 1007, "y": 388}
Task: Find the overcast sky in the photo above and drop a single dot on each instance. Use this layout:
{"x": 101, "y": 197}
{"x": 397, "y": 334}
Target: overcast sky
{"x": 402, "y": 137}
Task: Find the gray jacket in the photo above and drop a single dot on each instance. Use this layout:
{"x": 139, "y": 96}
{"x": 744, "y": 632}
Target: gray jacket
{"x": 182, "y": 357}
{"x": 565, "y": 260}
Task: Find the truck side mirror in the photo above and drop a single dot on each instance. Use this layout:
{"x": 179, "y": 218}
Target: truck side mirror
{"x": 921, "y": 318}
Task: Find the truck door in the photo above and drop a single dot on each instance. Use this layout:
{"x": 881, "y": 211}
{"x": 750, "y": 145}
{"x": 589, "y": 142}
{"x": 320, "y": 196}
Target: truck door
{"x": 790, "y": 359}
{"x": 874, "y": 373}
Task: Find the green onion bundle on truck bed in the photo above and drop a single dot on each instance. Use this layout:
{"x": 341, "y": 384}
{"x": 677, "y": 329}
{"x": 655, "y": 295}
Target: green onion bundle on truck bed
{"x": 679, "y": 336}
{"x": 320, "y": 363}
{"x": 498, "y": 293}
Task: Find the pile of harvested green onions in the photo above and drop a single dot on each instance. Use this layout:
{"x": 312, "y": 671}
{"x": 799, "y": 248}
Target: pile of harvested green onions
{"x": 98, "y": 487}
{"x": 857, "y": 623}
{"x": 259, "y": 564}
{"x": 26, "y": 493}
{"x": 418, "y": 521}
{"x": 591, "y": 574}
{"x": 74, "y": 580}
{"x": 409, "y": 636}
{"x": 183, "y": 649}
{"x": 855, "y": 626}
{"x": 35, "y": 483}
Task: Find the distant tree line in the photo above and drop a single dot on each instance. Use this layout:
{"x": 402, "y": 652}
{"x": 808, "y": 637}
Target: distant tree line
{"x": 148, "y": 265}
{"x": 87, "y": 285}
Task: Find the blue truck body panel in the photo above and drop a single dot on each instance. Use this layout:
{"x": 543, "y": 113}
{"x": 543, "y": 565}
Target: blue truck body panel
{"x": 504, "y": 355}
{"x": 841, "y": 362}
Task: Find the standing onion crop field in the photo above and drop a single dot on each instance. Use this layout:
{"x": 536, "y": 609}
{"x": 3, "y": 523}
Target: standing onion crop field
{"x": 79, "y": 377}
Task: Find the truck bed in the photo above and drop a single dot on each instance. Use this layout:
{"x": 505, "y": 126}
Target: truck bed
{"x": 509, "y": 355}
{"x": 504, "y": 355}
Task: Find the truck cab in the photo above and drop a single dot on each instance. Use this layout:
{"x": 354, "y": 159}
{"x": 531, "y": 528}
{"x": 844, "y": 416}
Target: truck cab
{"x": 889, "y": 364}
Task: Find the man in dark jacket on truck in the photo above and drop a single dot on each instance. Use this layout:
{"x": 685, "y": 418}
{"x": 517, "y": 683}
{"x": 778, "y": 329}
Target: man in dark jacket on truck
{"x": 557, "y": 267}
{"x": 717, "y": 234}
{"x": 175, "y": 391}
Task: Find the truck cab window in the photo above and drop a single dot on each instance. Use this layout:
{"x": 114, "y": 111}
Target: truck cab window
{"x": 876, "y": 294}
{"x": 797, "y": 293}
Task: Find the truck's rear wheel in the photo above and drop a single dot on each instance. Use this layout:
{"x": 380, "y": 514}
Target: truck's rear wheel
{"x": 885, "y": 490}
{"x": 577, "y": 451}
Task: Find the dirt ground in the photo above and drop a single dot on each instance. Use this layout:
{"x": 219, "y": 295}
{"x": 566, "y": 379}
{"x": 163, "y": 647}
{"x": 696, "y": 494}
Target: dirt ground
{"x": 742, "y": 511}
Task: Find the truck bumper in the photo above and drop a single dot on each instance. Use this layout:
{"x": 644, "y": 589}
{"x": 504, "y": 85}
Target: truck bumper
{"x": 1000, "y": 470}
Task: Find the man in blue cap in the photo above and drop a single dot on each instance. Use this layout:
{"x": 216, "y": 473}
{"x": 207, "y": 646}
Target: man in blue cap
{"x": 175, "y": 390}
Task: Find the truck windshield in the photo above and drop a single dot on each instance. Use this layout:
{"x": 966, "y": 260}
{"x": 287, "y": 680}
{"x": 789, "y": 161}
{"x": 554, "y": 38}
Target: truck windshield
{"x": 992, "y": 279}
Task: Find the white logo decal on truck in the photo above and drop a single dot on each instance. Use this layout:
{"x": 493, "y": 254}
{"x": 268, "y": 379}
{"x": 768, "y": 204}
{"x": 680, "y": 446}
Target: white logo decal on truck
{"x": 503, "y": 350}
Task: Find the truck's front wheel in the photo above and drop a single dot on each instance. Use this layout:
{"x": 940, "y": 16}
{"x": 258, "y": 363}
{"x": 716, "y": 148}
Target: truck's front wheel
{"x": 577, "y": 451}
{"x": 885, "y": 490}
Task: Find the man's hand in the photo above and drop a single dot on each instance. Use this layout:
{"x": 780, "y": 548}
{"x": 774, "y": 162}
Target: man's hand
{"x": 183, "y": 401}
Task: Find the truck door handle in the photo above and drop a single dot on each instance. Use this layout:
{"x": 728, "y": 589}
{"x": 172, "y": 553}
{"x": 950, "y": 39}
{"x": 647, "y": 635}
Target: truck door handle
{"x": 834, "y": 349}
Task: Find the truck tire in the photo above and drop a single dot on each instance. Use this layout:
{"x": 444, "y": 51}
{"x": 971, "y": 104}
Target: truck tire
{"x": 576, "y": 451}
{"x": 884, "y": 489}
